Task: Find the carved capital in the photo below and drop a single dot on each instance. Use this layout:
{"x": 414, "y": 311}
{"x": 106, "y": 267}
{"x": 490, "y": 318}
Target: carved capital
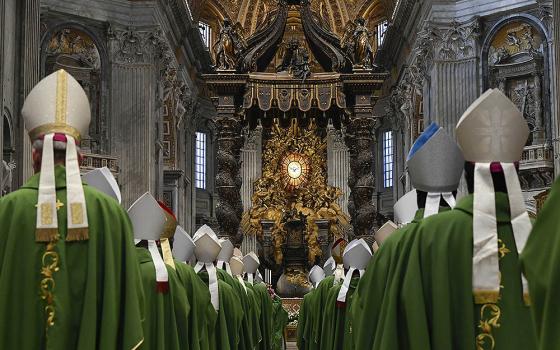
{"x": 131, "y": 46}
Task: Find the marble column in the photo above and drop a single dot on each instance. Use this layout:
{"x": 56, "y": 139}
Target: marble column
{"x": 360, "y": 139}
{"x": 229, "y": 208}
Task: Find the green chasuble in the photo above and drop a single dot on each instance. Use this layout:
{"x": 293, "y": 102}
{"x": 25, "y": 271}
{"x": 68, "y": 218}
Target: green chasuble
{"x": 316, "y": 313}
{"x": 166, "y": 320}
{"x": 265, "y": 302}
{"x": 230, "y": 316}
{"x": 202, "y": 317}
{"x": 280, "y": 320}
{"x": 336, "y": 331}
{"x": 382, "y": 277}
{"x": 91, "y": 288}
{"x": 303, "y": 321}
{"x": 255, "y": 312}
{"x": 541, "y": 262}
{"x": 248, "y": 336}
{"x": 436, "y": 309}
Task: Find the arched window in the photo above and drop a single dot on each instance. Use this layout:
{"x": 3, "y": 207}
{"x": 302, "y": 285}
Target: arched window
{"x": 200, "y": 160}
{"x": 387, "y": 158}
{"x": 206, "y": 33}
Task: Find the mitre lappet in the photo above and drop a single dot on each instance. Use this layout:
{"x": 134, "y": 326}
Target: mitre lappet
{"x": 103, "y": 180}
{"x": 492, "y": 134}
{"x": 183, "y": 245}
{"x": 148, "y": 223}
{"x": 222, "y": 261}
{"x": 405, "y": 208}
{"x": 356, "y": 257}
{"x": 316, "y": 275}
{"x": 167, "y": 233}
{"x": 206, "y": 251}
{"x": 251, "y": 263}
{"x": 57, "y": 112}
{"x": 435, "y": 165}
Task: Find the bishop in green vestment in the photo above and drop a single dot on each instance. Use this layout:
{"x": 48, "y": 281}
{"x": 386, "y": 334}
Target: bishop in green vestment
{"x": 166, "y": 321}
{"x": 229, "y": 317}
{"x": 202, "y": 316}
{"x": 96, "y": 299}
{"x": 315, "y": 309}
{"x": 280, "y": 320}
{"x": 265, "y": 303}
{"x": 248, "y": 336}
{"x": 68, "y": 272}
{"x": 336, "y": 330}
{"x": 540, "y": 261}
{"x": 463, "y": 287}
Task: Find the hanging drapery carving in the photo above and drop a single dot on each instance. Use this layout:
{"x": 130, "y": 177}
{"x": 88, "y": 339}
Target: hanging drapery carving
{"x": 322, "y": 90}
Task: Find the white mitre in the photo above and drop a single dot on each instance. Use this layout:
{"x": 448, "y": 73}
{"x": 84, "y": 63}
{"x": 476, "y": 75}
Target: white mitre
{"x": 435, "y": 165}
{"x": 405, "y": 208}
{"x": 385, "y": 231}
{"x": 316, "y": 275}
{"x": 492, "y": 133}
{"x": 206, "y": 251}
{"x": 356, "y": 257}
{"x": 207, "y": 245}
{"x": 183, "y": 245}
{"x": 148, "y": 222}
{"x": 103, "y": 180}
{"x": 251, "y": 263}
{"x": 329, "y": 266}
{"x": 57, "y": 110}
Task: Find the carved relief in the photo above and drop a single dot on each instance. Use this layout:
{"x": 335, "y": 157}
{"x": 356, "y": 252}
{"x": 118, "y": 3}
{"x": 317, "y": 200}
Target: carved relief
{"x": 516, "y": 66}
{"x": 515, "y": 40}
{"x": 75, "y": 51}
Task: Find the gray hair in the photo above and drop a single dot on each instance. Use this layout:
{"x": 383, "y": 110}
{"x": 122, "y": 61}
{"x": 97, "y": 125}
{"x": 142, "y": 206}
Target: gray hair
{"x": 57, "y": 145}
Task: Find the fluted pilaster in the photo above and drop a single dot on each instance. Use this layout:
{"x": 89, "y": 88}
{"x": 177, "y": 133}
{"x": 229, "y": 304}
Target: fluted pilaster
{"x": 338, "y": 166}
{"x": 133, "y": 128}
{"x": 30, "y": 54}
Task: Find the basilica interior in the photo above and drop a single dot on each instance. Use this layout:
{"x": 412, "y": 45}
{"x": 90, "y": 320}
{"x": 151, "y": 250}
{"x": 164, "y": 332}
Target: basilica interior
{"x": 282, "y": 124}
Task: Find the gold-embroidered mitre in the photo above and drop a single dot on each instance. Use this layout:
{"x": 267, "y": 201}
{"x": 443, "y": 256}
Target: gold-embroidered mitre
{"x": 57, "y": 104}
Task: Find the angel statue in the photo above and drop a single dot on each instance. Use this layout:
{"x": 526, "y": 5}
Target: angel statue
{"x": 356, "y": 43}
{"x": 6, "y": 179}
{"x": 230, "y": 44}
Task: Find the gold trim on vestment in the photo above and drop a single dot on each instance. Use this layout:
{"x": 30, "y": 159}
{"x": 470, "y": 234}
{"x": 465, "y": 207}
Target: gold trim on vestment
{"x": 486, "y": 296}
{"x": 49, "y": 266}
{"x": 52, "y": 128}
{"x": 61, "y": 97}
{"x": 77, "y": 213}
{"x": 166, "y": 252}
{"x": 485, "y": 340}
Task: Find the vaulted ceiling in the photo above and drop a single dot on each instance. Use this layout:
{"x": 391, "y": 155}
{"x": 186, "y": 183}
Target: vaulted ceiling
{"x": 251, "y": 13}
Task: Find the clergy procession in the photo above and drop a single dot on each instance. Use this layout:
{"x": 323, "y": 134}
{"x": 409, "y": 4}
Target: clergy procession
{"x": 78, "y": 271}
